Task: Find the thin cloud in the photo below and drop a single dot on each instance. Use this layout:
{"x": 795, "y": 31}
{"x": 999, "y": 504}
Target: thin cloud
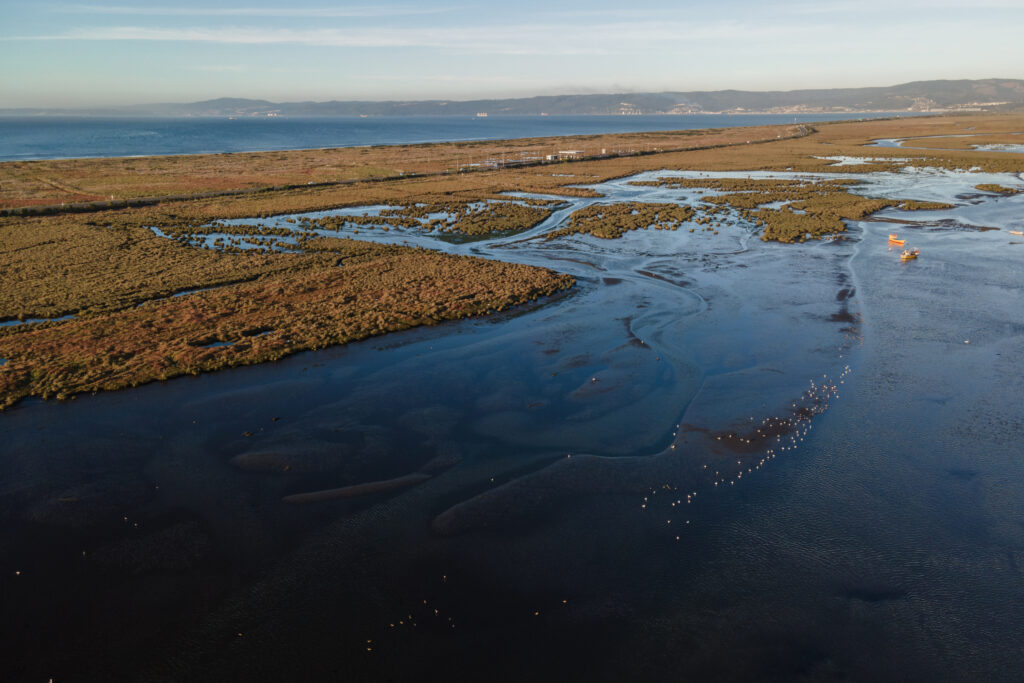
{"x": 512, "y": 40}
{"x": 220, "y": 68}
{"x": 290, "y": 12}
{"x": 636, "y": 39}
{"x": 863, "y": 7}
{"x": 459, "y": 79}
{"x": 499, "y": 42}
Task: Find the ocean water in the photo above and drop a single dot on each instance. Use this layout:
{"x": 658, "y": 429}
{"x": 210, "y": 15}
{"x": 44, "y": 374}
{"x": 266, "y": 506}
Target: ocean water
{"x": 23, "y": 138}
{"x": 597, "y": 514}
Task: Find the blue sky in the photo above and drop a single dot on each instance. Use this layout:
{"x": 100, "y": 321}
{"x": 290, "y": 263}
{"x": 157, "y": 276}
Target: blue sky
{"x": 129, "y": 51}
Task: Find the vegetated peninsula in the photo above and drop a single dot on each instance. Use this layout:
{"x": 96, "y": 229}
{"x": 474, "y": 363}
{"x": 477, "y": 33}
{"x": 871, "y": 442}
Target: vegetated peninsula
{"x": 190, "y": 264}
{"x": 918, "y": 96}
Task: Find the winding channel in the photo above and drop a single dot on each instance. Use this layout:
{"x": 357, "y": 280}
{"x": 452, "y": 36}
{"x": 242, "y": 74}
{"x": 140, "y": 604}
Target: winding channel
{"x": 722, "y": 444}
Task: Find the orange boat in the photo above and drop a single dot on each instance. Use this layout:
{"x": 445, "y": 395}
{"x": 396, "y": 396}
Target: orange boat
{"x": 895, "y": 240}
{"x": 909, "y": 254}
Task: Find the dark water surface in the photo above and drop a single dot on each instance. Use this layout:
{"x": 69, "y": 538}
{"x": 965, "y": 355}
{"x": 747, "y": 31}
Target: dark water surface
{"x": 62, "y": 137}
{"x": 594, "y": 509}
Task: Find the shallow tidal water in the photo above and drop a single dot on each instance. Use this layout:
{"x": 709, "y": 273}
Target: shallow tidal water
{"x": 61, "y": 137}
{"x": 593, "y": 507}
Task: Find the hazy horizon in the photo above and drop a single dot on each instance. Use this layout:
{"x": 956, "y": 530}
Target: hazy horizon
{"x": 453, "y": 100}
{"x": 60, "y": 54}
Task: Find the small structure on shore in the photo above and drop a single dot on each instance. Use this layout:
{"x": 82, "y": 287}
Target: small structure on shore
{"x": 565, "y": 154}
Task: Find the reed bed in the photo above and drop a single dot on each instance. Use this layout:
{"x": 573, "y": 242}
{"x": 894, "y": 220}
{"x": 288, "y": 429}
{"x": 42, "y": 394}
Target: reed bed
{"x": 809, "y": 209}
{"x": 29, "y": 183}
{"x": 375, "y": 290}
{"x": 609, "y": 221}
{"x": 100, "y": 266}
{"x": 996, "y": 189}
{"x": 64, "y": 265}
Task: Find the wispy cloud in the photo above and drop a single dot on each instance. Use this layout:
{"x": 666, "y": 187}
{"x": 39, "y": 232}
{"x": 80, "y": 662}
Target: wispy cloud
{"x": 220, "y": 68}
{"x": 694, "y": 41}
{"x": 281, "y": 12}
{"x": 489, "y": 79}
{"x": 864, "y": 7}
{"x": 524, "y": 39}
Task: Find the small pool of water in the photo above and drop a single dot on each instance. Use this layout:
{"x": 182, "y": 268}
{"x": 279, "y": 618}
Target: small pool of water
{"x": 30, "y": 321}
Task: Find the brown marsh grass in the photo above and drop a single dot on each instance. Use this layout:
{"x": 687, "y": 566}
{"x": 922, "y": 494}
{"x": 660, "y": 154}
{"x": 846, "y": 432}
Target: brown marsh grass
{"x": 812, "y": 209}
{"x": 102, "y": 265}
{"x": 377, "y": 289}
{"x": 609, "y": 221}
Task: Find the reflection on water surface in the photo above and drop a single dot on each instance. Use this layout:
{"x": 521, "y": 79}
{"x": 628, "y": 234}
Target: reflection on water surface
{"x": 715, "y": 457}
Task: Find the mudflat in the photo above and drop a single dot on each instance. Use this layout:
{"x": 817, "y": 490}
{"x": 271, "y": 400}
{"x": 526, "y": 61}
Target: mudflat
{"x": 683, "y": 413}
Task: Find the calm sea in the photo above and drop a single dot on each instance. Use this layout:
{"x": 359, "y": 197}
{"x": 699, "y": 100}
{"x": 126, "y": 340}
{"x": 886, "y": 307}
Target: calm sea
{"x": 23, "y": 138}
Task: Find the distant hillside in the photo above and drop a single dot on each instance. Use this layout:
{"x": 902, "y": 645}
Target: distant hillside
{"x": 918, "y": 96}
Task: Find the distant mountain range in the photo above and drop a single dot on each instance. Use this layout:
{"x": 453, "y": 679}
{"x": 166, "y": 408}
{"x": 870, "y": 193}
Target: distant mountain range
{"x": 961, "y": 95}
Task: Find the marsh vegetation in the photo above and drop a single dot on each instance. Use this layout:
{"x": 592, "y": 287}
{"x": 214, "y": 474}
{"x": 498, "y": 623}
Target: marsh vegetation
{"x": 996, "y": 189}
{"x": 100, "y": 266}
{"x": 609, "y": 221}
{"x": 804, "y": 209}
{"x": 377, "y": 289}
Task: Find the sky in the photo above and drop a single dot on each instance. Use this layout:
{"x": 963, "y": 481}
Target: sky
{"x": 77, "y": 54}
